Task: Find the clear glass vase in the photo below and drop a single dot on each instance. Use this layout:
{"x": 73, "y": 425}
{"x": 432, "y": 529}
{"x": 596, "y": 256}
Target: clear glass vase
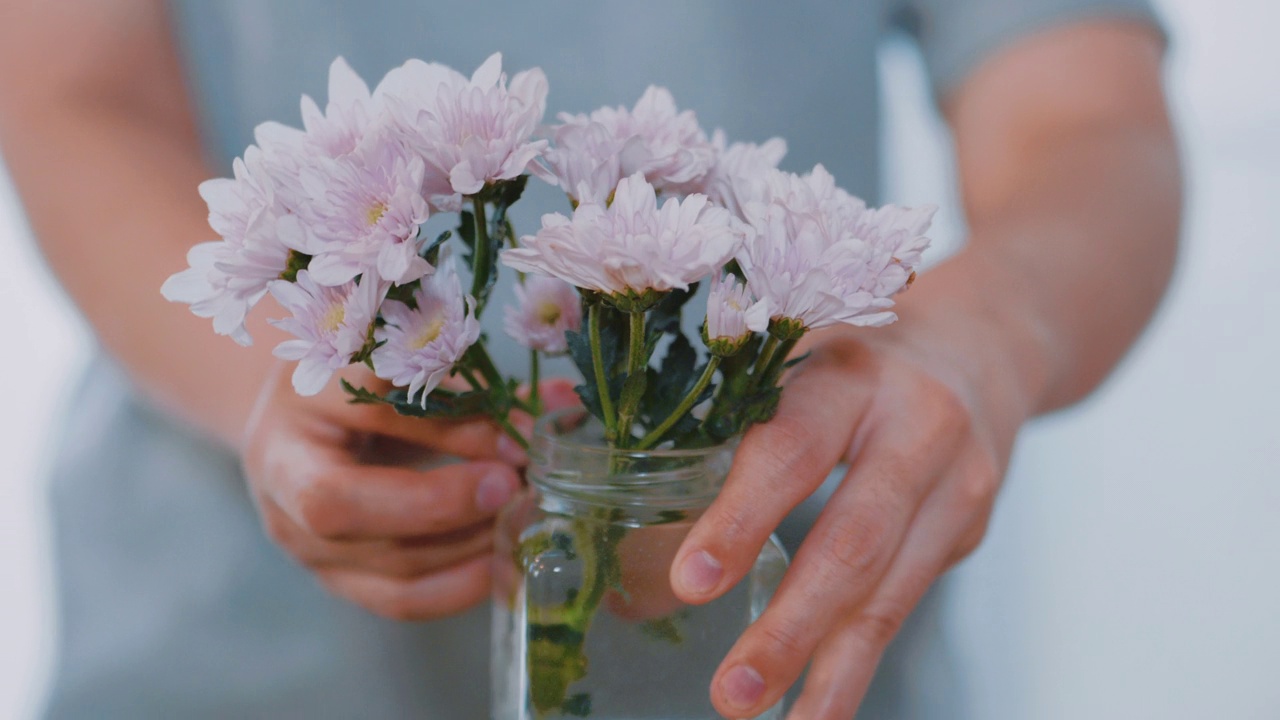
{"x": 585, "y": 623}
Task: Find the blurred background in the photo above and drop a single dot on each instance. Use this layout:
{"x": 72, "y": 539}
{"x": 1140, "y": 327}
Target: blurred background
{"x": 1133, "y": 566}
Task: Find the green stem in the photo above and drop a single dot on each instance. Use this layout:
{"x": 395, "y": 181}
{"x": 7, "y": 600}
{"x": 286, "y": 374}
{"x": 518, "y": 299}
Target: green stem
{"x": 511, "y": 430}
{"x": 773, "y": 370}
{"x": 762, "y": 361}
{"x": 637, "y": 365}
{"x": 602, "y": 380}
{"x": 481, "y": 264}
{"x": 684, "y": 407}
{"x": 489, "y": 371}
{"x": 535, "y": 402}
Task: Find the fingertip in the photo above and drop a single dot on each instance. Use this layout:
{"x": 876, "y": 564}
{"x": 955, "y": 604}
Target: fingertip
{"x": 696, "y": 576}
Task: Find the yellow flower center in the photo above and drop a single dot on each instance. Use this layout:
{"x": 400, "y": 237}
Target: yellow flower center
{"x": 428, "y": 334}
{"x": 548, "y": 313}
{"x": 375, "y": 213}
{"x": 333, "y": 319}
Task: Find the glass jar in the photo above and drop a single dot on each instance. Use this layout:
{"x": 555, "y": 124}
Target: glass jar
{"x": 585, "y": 622}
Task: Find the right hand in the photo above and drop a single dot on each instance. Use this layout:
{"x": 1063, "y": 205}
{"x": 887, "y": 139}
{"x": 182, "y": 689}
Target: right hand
{"x": 402, "y": 543}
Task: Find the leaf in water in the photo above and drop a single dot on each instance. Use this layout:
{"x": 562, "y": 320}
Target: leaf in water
{"x": 577, "y": 706}
{"x": 665, "y": 629}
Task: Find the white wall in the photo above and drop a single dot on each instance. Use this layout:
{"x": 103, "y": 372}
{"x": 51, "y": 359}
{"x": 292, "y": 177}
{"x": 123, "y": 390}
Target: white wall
{"x": 1131, "y": 568}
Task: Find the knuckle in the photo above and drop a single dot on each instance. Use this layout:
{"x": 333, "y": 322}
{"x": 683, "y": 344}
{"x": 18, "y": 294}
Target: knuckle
{"x": 879, "y": 625}
{"x": 854, "y": 546}
{"x": 787, "y": 443}
{"x": 733, "y": 527}
{"x": 951, "y": 414}
{"x": 980, "y": 482}
{"x": 784, "y": 639}
{"x": 321, "y": 510}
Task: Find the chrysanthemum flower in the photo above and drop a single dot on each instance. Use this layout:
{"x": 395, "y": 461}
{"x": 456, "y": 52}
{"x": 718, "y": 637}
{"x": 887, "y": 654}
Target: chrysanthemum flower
{"x": 470, "y": 132}
{"x": 732, "y": 316}
{"x": 584, "y": 161}
{"x": 652, "y": 138}
{"x": 421, "y": 344}
{"x": 362, "y": 212}
{"x": 228, "y": 277}
{"x": 820, "y": 257}
{"x": 741, "y": 171}
{"x": 330, "y": 325}
{"x": 632, "y": 248}
{"x": 545, "y": 309}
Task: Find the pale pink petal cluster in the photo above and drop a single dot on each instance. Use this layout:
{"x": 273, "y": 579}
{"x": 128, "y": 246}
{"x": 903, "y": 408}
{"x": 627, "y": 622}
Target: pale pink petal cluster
{"x": 545, "y": 309}
{"x": 420, "y": 344}
{"x": 228, "y": 277}
{"x": 741, "y": 171}
{"x": 633, "y": 245}
{"x": 653, "y": 138}
{"x": 733, "y": 314}
{"x": 330, "y": 326}
{"x": 471, "y": 132}
{"x": 819, "y": 256}
{"x": 363, "y": 211}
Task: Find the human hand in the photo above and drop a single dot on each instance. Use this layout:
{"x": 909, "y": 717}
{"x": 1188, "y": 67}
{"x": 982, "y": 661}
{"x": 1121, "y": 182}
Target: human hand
{"x": 926, "y": 428}
{"x": 402, "y": 543}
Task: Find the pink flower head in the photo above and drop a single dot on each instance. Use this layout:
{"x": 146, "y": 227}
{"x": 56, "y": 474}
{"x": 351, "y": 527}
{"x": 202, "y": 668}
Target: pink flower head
{"x": 741, "y": 172}
{"x": 820, "y": 257}
{"x": 732, "y": 315}
{"x": 330, "y": 325}
{"x": 545, "y": 309}
{"x": 228, "y": 277}
{"x": 363, "y": 211}
{"x": 584, "y": 160}
{"x": 633, "y": 246}
{"x": 470, "y": 132}
{"x": 334, "y": 133}
{"x": 421, "y": 344}
{"x": 652, "y": 138}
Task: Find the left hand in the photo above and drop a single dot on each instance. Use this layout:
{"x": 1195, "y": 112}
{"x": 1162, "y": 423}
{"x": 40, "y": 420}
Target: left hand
{"x": 925, "y": 417}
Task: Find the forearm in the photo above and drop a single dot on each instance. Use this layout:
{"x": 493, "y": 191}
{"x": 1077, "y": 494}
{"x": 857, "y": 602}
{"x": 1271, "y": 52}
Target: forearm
{"x": 1058, "y": 281}
{"x": 111, "y": 196}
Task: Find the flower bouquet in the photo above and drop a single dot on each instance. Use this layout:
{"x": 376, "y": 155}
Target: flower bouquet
{"x": 330, "y": 219}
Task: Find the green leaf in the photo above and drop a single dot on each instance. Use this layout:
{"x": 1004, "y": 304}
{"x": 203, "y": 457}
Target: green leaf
{"x": 664, "y": 318}
{"x": 440, "y": 403}
{"x": 665, "y": 629}
{"x": 577, "y": 706}
{"x": 362, "y": 396}
{"x": 467, "y": 233}
{"x": 796, "y": 360}
{"x": 432, "y": 251}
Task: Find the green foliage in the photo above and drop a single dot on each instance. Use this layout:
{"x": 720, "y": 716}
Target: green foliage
{"x": 439, "y": 403}
{"x": 295, "y": 262}
{"x": 665, "y": 629}
{"x": 432, "y": 251}
{"x": 612, "y": 350}
{"x": 675, "y": 378}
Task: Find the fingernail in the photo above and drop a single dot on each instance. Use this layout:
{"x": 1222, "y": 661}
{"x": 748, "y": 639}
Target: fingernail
{"x": 700, "y": 573}
{"x": 509, "y": 451}
{"x": 494, "y": 490}
{"x": 743, "y": 687}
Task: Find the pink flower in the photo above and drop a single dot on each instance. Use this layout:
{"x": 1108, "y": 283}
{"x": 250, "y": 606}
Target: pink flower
{"x": 741, "y": 172}
{"x": 820, "y": 257}
{"x": 420, "y": 345}
{"x": 363, "y": 211}
{"x": 330, "y": 324}
{"x": 228, "y": 277}
{"x": 652, "y": 138}
{"x": 584, "y": 161}
{"x": 470, "y": 132}
{"x": 633, "y": 246}
{"x": 336, "y": 132}
{"x": 732, "y": 315}
{"x": 546, "y": 309}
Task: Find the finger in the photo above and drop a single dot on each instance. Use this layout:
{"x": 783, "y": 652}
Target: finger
{"x": 952, "y": 519}
{"x": 778, "y": 465}
{"x": 848, "y": 550}
{"x": 407, "y": 558}
{"x": 322, "y": 490}
{"x": 428, "y": 597}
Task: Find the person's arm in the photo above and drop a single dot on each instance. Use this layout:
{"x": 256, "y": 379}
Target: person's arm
{"x": 97, "y": 132}
{"x": 1073, "y": 192}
